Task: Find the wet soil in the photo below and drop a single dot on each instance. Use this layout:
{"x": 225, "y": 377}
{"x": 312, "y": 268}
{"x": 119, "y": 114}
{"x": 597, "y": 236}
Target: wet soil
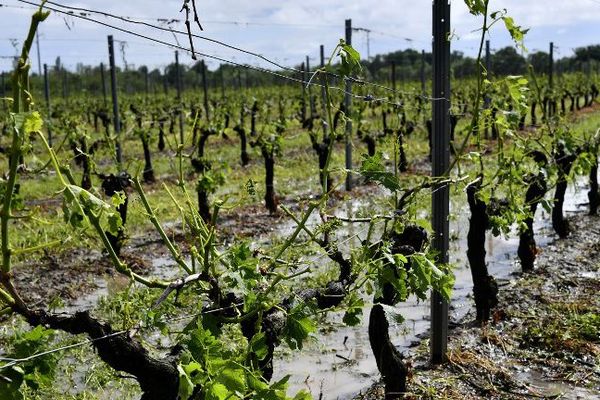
{"x": 539, "y": 344}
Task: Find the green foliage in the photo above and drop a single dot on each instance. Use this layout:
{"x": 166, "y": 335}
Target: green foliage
{"x": 517, "y": 33}
{"x": 299, "y": 325}
{"x": 222, "y": 373}
{"x": 350, "y": 60}
{"x": 373, "y": 169}
{"x": 35, "y": 373}
{"x": 354, "y": 309}
{"x": 79, "y": 206}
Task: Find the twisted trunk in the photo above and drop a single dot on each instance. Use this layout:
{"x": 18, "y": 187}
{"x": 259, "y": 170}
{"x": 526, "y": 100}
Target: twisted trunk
{"x": 593, "y": 194}
{"x": 564, "y": 163}
{"x": 158, "y": 379}
{"x": 527, "y": 250}
{"x": 485, "y": 289}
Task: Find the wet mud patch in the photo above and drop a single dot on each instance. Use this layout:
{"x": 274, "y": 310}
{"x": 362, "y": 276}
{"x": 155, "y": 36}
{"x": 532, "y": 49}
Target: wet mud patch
{"x": 543, "y": 341}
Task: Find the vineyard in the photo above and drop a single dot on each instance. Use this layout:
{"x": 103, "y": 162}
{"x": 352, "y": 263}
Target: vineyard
{"x": 319, "y": 235}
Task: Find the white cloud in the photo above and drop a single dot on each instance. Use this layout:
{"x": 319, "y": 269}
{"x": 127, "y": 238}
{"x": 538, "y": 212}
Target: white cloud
{"x": 310, "y": 23}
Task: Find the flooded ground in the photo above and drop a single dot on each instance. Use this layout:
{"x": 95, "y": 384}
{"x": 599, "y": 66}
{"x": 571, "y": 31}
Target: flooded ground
{"x": 339, "y": 364}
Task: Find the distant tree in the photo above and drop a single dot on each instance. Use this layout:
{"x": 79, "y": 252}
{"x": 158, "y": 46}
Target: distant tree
{"x": 507, "y": 61}
{"x": 540, "y": 61}
{"x": 583, "y": 54}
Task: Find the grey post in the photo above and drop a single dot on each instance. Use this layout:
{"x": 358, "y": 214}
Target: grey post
{"x": 222, "y": 83}
{"x": 103, "y": 82}
{"x": 394, "y": 75}
{"x": 205, "y": 89}
{"x": 348, "y": 105}
{"x": 47, "y": 96}
{"x": 303, "y": 87}
{"x": 441, "y": 162}
{"x": 310, "y": 99}
{"x": 178, "y": 82}
{"x": 423, "y": 89}
{"x": 486, "y": 99}
{"x": 37, "y": 44}
{"x": 551, "y": 65}
{"x": 65, "y": 84}
{"x": 115, "y": 100}
{"x": 323, "y": 92}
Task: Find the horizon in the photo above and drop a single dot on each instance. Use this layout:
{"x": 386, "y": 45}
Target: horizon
{"x": 284, "y": 33}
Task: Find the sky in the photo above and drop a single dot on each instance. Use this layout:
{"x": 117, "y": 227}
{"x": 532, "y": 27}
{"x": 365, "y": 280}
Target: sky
{"x": 285, "y": 31}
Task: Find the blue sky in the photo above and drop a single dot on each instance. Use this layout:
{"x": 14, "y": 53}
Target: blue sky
{"x": 286, "y": 31}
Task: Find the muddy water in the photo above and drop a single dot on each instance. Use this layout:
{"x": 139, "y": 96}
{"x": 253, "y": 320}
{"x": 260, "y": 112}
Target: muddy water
{"x": 338, "y": 364}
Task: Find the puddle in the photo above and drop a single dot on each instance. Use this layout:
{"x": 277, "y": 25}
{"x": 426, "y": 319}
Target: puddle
{"x": 542, "y": 387}
{"x": 339, "y": 364}
{"x": 318, "y": 368}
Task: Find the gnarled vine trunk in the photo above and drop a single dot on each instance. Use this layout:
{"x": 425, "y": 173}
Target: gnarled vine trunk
{"x": 390, "y": 363}
{"x": 270, "y": 198}
{"x": 564, "y": 162}
{"x": 485, "y": 289}
{"x": 593, "y": 194}
{"x": 112, "y": 184}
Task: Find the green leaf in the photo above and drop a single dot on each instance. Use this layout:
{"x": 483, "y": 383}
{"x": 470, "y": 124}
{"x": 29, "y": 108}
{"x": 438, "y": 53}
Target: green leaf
{"x": 258, "y": 346}
{"x": 298, "y": 326}
{"x": 516, "y": 32}
{"x": 233, "y": 377}
{"x": 354, "y": 309}
{"x": 216, "y": 391}
{"x": 373, "y": 169}
{"x": 186, "y": 386}
{"x": 303, "y": 395}
{"x": 476, "y": 7}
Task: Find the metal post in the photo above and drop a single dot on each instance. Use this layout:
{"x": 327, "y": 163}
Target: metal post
{"x": 103, "y": 82}
{"x": 310, "y": 99}
{"x": 486, "y": 100}
{"x": 348, "y": 105}
{"x": 323, "y": 92}
{"x": 37, "y": 44}
{"x": 47, "y": 96}
{"x": 551, "y": 65}
{"x": 423, "y": 89}
{"x": 394, "y": 75}
{"x": 178, "y": 82}
{"x": 222, "y": 83}
{"x": 65, "y": 84}
{"x": 205, "y": 88}
{"x": 303, "y": 79}
{"x": 113, "y": 87}
{"x": 441, "y": 162}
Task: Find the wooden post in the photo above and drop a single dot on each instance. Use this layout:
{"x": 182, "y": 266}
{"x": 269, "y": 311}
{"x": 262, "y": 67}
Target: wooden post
{"x": 441, "y": 161}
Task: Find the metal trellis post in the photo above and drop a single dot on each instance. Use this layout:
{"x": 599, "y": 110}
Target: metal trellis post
{"x": 441, "y": 162}
{"x": 113, "y": 87}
